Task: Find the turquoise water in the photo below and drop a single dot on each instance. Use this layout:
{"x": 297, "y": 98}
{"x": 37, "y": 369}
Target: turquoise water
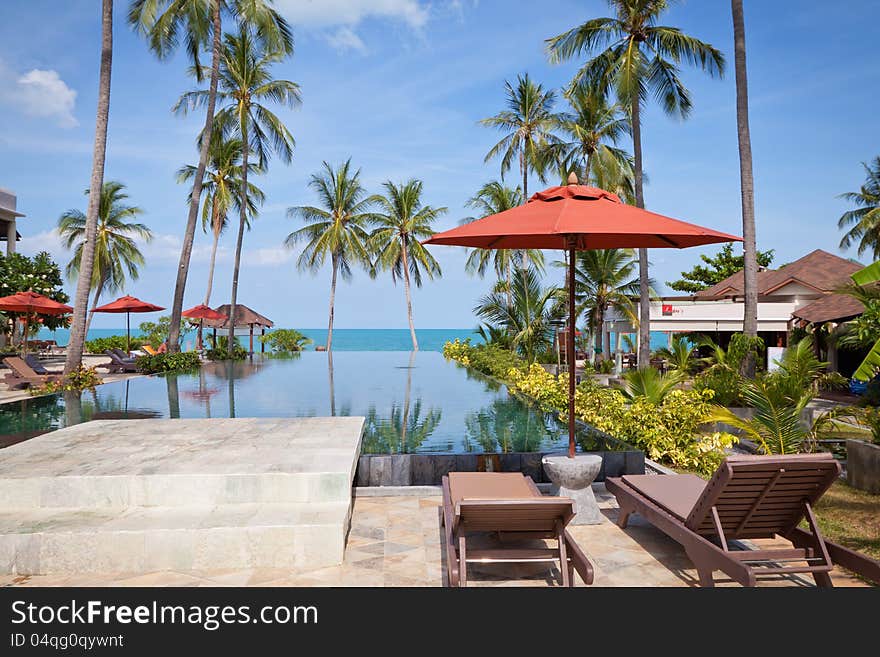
{"x": 413, "y": 402}
{"x": 345, "y": 339}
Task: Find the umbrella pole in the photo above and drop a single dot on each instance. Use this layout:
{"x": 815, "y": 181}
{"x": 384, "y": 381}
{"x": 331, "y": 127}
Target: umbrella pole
{"x": 570, "y": 349}
{"x": 128, "y": 333}
{"x": 24, "y": 338}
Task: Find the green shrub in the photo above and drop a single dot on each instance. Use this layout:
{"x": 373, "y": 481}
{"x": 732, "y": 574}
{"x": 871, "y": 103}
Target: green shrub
{"x": 220, "y": 349}
{"x": 100, "y": 345}
{"x": 155, "y": 333}
{"x": 726, "y": 385}
{"x": 188, "y": 360}
{"x": 285, "y": 340}
{"x": 486, "y": 358}
{"x": 82, "y": 378}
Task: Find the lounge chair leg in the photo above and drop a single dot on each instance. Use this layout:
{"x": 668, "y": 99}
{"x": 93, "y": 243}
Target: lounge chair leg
{"x": 623, "y": 515}
{"x": 564, "y": 566}
{"x": 706, "y": 580}
{"x": 823, "y": 580}
{"x": 462, "y": 562}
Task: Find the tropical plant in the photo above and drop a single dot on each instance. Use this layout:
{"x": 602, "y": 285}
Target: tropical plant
{"x": 798, "y": 371}
{"x": 167, "y": 23}
{"x": 490, "y": 359}
{"x": 494, "y": 335}
{"x": 246, "y": 84}
{"x": 640, "y": 58}
{"x": 864, "y": 220}
{"x": 100, "y": 345}
{"x": 863, "y": 329}
{"x": 650, "y": 384}
{"x": 492, "y": 198}
{"x": 403, "y": 431}
{"x": 679, "y": 354}
{"x": 528, "y": 124}
{"x": 155, "y": 333}
{"x": 286, "y": 340}
{"x": 527, "y": 317}
{"x": 715, "y": 269}
{"x": 40, "y": 274}
{"x": 169, "y": 362}
{"x": 339, "y": 229}
{"x": 115, "y": 252}
{"x": 76, "y": 340}
{"x": 221, "y": 190}
{"x": 220, "y": 350}
{"x": 605, "y": 279}
{"x": 402, "y": 222}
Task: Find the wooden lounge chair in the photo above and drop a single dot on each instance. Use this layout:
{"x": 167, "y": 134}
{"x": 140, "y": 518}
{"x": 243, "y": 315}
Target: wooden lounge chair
{"x": 128, "y": 358}
{"x": 508, "y": 503}
{"x": 118, "y": 364}
{"x": 149, "y": 350}
{"x": 748, "y": 497}
{"x": 34, "y": 363}
{"x": 21, "y": 375}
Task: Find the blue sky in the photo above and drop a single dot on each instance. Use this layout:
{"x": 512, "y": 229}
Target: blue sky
{"x": 399, "y": 85}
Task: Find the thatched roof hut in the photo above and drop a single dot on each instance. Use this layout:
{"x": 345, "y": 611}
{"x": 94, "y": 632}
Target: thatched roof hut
{"x": 244, "y": 317}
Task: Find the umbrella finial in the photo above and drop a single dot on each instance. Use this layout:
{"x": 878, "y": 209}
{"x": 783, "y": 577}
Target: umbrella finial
{"x": 573, "y": 179}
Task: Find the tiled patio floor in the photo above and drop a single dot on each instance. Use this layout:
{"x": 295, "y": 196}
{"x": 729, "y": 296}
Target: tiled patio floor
{"x": 395, "y": 541}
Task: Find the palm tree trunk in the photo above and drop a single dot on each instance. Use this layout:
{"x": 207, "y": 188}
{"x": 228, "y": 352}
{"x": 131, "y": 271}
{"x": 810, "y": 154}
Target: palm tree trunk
{"x": 747, "y": 185}
{"x": 335, "y": 259}
{"x": 600, "y": 325}
{"x": 644, "y": 348}
{"x": 587, "y": 166}
{"x": 211, "y": 266}
{"x": 242, "y": 224}
{"x": 525, "y": 177}
{"x": 409, "y": 313}
{"x": 509, "y": 282}
{"x": 84, "y": 283}
{"x": 190, "y": 233}
{"x": 98, "y": 291}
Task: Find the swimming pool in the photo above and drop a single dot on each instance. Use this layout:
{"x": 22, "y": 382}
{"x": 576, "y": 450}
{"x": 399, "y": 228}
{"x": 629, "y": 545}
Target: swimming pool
{"x": 413, "y": 402}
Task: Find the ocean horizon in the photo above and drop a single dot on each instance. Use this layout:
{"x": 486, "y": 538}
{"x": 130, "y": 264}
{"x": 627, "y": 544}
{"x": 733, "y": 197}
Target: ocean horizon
{"x": 344, "y": 339}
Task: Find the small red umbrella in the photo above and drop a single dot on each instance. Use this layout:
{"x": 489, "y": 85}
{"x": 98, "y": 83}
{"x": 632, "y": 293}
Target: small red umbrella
{"x": 127, "y": 305}
{"x": 30, "y": 303}
{"x": 201, "y": 313}
{"x": 577, "y": 218}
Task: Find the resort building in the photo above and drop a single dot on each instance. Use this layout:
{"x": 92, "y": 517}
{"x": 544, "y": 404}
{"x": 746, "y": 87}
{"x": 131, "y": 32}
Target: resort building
{"x": 8, "y": 216}
{"x": 797, "y": 294}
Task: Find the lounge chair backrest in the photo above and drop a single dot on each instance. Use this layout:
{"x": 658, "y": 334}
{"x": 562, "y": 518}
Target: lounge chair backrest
{"x": 120, "y": 354}
{"x": 20, "y": 368}
{"x": 761, "y": 496}
{"x": 34, "y": 363}
{"x": 513, "y": 515}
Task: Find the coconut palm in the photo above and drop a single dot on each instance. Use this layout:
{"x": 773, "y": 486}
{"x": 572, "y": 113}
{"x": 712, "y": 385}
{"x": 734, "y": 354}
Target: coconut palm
{"x": 338, "y": 230}
{"x": 528, "y": 124}
{"x": 864, "y": 221}
{"x": 492, "y": 198}
{"x": 640, "y": 58}
{"x": 527, "y": 317}
{"x": 222, "y": 192}
{"x": 679, "y": 354}
{"x": 195, "y": 23}
{"x": 605, "y": 279}
{"x": 402, "y": 222}
{"x": 76, "y": 342}
{"x": 246, "y": 84}
{"x": 649, "y": 384}
{"x": 115, "y": 251}
{"x": 747, "y": 183}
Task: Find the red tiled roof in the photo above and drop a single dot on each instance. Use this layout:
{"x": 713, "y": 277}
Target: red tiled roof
{"x": 831, "y": 307}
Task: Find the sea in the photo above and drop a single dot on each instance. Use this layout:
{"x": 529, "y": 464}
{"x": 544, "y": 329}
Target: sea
{"x": 344, "y": 339}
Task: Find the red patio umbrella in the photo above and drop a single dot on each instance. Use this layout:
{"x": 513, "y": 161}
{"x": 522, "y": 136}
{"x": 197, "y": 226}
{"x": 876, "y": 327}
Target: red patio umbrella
{"x": 577, "y": 218}
{"x": 30, "y": 303}
{"x": 127, "y": 305}
{"x": 201, "y": 313}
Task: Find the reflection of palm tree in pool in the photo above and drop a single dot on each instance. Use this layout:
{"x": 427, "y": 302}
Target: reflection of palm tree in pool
{"x": 505, "y": 426}
{"x": 30, "y": 418}
{"x": 173, "y": 396}
{"x": 330, "y": 380}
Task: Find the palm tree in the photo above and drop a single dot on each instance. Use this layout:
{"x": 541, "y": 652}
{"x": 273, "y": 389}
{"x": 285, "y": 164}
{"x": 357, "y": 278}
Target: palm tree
{"x": 221, "y": 189}
{"x": 165, "y": 23}
{"x": 680, "y": 354}
{"x": 76, "y": 342}
{"x": 604, "y": 279}
{"x": 339, "y": 229}
{"x": 865, "y": 219}
{"x": 402, "y": 222}
{"x": 528, "y": 123}
{"x": 527, "y": 318}
{"x": 115, "y": 251}
{"x": 592, "y": 129}
{"x": 747, "y": 183}
{"x": 245, "y": 84}
{"x": 650, "y": 385}
{"x": 492, "y": 198}
{"x": 641, "y": 58}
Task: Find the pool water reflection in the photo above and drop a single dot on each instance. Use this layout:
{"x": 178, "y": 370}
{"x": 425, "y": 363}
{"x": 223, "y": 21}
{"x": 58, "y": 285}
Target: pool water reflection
{"x": 413, "y": 402}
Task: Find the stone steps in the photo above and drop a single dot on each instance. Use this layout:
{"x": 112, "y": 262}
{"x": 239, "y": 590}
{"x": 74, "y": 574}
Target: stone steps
{"x": 144, "y": 539}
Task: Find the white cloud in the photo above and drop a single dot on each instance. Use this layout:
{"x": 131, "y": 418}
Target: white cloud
{"x": 39, "y": 93}
{"x": 48, "y": 240}
{"x": 165, "y": 248}
{"x": 345, "y": 39}
{"x": 325, "y": 13}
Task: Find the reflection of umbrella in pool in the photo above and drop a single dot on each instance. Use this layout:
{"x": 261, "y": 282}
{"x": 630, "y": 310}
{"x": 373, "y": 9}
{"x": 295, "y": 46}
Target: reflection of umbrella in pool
{"x": 201, "y": 313}
{"x": 128, "y": 305}
{"x": 577, "y": 218}
{"x": 30, "y": 303}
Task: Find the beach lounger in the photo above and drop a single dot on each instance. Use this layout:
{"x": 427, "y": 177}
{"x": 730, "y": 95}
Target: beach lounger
{"x": 748, "y": 497}
{"x": 149, "y": 350}
{"x": 118, "y": 364}
{"x": 34, "y": 363}
{"x": 510, "y": 504}
{"x": 123, "y": 356}
{"x": 21, "y": 375}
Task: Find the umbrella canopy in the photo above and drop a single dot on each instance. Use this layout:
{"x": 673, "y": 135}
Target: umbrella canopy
{"x": 577, "y": 218}
{"x": 203, "y": 312}
{"x": 127, "y": 304}
{"x": 32, "y": 303}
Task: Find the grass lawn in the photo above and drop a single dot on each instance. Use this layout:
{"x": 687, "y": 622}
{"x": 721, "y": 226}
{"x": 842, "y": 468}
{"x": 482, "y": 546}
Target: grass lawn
{"x": 851, "y": 517}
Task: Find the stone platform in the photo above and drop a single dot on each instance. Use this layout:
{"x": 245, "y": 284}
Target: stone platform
{"x": 141, "y": 495}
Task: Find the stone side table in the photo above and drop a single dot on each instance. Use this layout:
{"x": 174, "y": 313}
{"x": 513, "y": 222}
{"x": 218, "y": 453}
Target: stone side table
{"x": 573, "y": 478}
